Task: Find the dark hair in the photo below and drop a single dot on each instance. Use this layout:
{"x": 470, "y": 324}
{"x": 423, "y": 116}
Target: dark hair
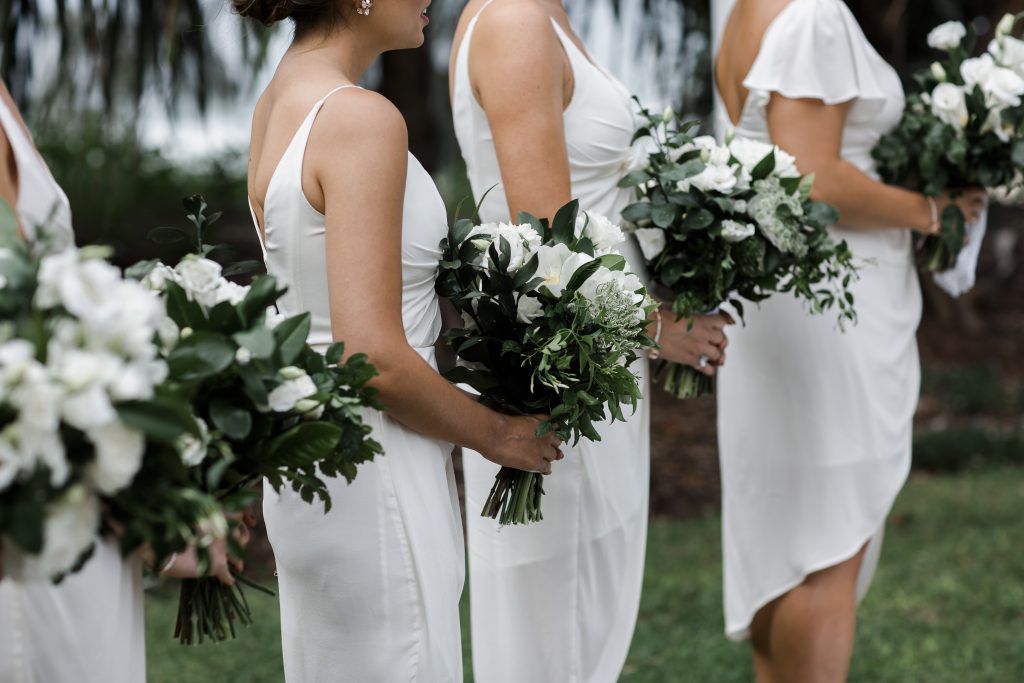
{"x": 308, "y": 15}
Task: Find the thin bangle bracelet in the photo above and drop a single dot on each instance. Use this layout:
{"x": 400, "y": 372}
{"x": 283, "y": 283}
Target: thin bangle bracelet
{"x": 655, "y": 354}
{"x": 933, "y": 227}
{"x": 170, "y": 563}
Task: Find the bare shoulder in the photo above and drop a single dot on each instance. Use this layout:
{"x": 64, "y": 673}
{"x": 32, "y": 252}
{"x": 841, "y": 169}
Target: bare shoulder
{"x": 354, "y": 115}
{"x": 513, "y": 25}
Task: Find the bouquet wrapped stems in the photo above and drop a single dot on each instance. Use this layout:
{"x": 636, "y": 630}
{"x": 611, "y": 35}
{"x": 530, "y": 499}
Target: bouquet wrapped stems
{"x": 683, "y": 381}
{"x": 208, "y": 608}
{"x": 515, "y": 497}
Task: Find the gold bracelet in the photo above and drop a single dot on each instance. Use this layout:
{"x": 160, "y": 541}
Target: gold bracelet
{"x": 934, "y": 227}
{"x": 655, "y": 354}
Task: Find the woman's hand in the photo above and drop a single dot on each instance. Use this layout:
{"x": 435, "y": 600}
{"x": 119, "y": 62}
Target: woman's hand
{"x": 186, "y": 565}
{"x": 517, "y": 445}
{"x": 971, "y": 202}
{"x": 681, "y": 343}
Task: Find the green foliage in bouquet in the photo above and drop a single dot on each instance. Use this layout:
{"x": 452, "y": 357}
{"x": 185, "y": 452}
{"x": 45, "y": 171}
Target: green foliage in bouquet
{"x": 269, "y": 406}
{"x": 86, "y": 423}
{"x": 726, "y": 223}
{"x": 552, "y": 323}
{"x": 963, "y": 127}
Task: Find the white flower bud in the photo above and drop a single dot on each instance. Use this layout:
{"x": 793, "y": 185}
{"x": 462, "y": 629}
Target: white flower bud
{"x": 186, "y": 332}
{"x": 668, "y": 114}
{"x": 243, "y": 355}
{"x": 291, "y": 372}
{"x": 1005, "y": 26}
{"x": 938, "y": 72}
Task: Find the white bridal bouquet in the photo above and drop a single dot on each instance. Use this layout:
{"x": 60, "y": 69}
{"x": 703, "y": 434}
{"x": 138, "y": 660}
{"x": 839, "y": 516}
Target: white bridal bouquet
{"x": 963, "y": 128}
{"x": 267, "y": 404}
{"x": 721, "y": 223}
{"x": 552, "y": 322}
{"x": 84, "y": 417}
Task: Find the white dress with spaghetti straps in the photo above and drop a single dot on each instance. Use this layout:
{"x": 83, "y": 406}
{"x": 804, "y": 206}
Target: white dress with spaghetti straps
{"x": 815, "y": 425}
{"x": 89, "y": 628}
{"x": 557, "y": 601}
{"x": 369, "y": 591}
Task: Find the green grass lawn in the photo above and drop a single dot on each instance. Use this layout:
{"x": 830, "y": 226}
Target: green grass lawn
{"x": 947, "y": 604}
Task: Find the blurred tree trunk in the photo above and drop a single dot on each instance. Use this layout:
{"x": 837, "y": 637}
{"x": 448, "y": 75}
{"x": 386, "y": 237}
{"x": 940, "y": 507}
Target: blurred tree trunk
{"x": 407, "y": 80}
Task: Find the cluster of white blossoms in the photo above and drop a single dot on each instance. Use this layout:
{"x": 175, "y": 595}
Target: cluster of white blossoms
{"x": 295, "y": 394}
{"x": 998, "y": 73}
{"x": 100, "y": 351}
{"x": 728, "y": 173}
{"x": 609, "y": 294}
{"x": 201, "y": 279}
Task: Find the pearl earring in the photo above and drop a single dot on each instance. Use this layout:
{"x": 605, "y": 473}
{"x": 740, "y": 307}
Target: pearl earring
{"x": 364, "y": 7}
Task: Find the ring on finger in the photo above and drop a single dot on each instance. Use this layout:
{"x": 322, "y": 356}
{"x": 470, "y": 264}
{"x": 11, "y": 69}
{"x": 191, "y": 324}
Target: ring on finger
{"x": 702, "y": 362}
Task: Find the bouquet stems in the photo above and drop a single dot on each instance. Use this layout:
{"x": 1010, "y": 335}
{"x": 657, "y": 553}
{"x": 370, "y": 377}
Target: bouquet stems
{"x": 682, "y": 381}
{"x": 208, "y": 608}
{"x": 515, "y": 497}
{"x": 937, "y": 253}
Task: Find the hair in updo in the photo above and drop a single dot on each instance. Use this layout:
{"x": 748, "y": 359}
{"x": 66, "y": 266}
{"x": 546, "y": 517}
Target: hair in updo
{"x": 307, "y": 14}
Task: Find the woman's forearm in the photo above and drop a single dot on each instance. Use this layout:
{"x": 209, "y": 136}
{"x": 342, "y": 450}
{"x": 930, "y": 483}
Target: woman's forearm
{"x": 865, "y": 203}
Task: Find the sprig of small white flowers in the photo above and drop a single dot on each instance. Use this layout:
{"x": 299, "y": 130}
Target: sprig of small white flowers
{"x": 998, "y": 73}
{"x": 100, "y": 352}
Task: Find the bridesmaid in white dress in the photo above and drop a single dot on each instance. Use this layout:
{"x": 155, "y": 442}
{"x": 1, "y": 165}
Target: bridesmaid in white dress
{"x": 351, "y": 224}
{"x": 90, "y": 627}
{"x": 539, "y": 121}
{"x": 815, "y": 424}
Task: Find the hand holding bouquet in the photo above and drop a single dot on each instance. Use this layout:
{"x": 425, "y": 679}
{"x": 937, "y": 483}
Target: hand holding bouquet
{"x": 269, "y": 406}
{"x": 552, "y": 323}
{"x": 963, "y": 128}
{"x": 721, "y": 223}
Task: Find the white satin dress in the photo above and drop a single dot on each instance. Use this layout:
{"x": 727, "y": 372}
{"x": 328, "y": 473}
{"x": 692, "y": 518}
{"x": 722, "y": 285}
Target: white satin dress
{"x": 369, "y": 591}
{"x": 90, "y": 627}
{"x": 815, "y": 425}
{"x": 557, "y": 601}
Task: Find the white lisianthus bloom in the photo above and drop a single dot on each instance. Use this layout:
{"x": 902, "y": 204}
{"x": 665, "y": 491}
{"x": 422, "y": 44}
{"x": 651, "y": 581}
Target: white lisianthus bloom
{"x": 69, "y": 530}
{"x": 947, "y": 36}
{"x": 938, "y": 72}
{"x": 651, "y": 240}
{"x": 88, "y": 409}
{"x": 37, "y": 447}
{"x": 749, "y": 152}
{"x": 949, "y": 105}
{"x": 994, "y": 124}
{"x": 604, "y": 234}
{"x": 715, "y": 179}
{"x": 976, "y": 70}
{"x": 77, "y": 369}
{"x": 211, "y": 527}
{"x": 556, "y": 266}
{"x": 119, "y": 450}
{"x": 1003, "y": 88}
{"x": 85, "y": 287}
{"x": 16, "y": 356}
{"x": 156, "y": 280}
{"x": 193, "y": 449}
{"x": 1009, "y": 52}
{"x": 785, "y": 164}
{"x": 200, "y": 277}
{"x": 39, "y": 402}
{"x": 134, "y": 381}
{"x": 734, "y": 231}
{"x": 285, "y": 397}
{"x": 1005, "y": 26}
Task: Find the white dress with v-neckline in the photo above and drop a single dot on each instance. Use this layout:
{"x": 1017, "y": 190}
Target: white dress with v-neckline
{"x": 557, "y": 601}
{"x": 90, "y": 627}
{"x": 815, "y": 425}
{"x": 370, "y": 591}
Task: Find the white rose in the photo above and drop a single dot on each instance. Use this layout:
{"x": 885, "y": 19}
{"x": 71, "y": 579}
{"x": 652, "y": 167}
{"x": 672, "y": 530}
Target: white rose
{"x": 200, "y": 277}
{"x": 88, "y": 409}
{"x": 522, "y": 240}
{"x": 605, "y": 235}
{"x": 947, "y": 36}
{"x": 976, "y": 70}
{"x": 715, "y": 179}
{"x": 1003, "y": 88}
{"x": 1009, "y": 52}
{"x": 156, "y": 280}
{"x": 119, "y": 450}
{"x": 785, "y": 164}
{"x": 231, "y": 292}
{"x": 749, "y": 152}
{"x": 733, "y": 231}
{"x": 651, "y": 240}
{"x": 528, "y": 309}
{"x": 950, "y": 105}
{"x": 193, "y": 449}
{"x": 10, "y": 463}
{"x": 1005, "y": 26}
{"x": 69, "y": 530}
{"x": 285, "y": 397}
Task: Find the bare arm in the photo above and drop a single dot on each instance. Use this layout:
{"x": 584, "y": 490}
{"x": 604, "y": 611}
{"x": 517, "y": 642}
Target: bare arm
{"x": 812, "y": 131}
{"x": 358, "y": 152}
